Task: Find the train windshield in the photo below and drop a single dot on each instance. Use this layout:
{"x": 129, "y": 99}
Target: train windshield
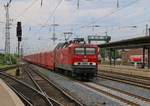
{"x": 85, "y": 51}
{"x": 80, "y": 51}
{"x": 90, "y": 51}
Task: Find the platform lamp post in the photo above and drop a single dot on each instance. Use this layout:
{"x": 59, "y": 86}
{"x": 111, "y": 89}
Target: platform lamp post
{"x": 19, "y": 36}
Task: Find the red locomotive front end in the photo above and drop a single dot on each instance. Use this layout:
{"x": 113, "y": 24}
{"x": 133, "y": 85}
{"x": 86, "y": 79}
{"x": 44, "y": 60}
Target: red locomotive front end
{"x": 77, "y": 59}
{"x": 85, "y": 60}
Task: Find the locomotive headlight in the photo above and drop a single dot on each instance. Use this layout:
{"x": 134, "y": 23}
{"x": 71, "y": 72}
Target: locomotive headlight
{"x": 75, "y": 63}
{"x": 94, "y": 63}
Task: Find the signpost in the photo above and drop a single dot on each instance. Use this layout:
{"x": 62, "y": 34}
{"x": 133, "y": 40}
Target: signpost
{"x": 99, "y": 38}
{"x": 105, "y": 38}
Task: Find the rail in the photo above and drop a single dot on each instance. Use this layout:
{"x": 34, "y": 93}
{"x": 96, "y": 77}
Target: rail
{"x": 24, "y": 87}
{"x": 75, "y": 101}
{"x": 125, "y": 79}
{"x": 123, "y": 97}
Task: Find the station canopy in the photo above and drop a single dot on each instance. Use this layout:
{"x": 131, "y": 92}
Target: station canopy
{"x": 138, "y": 42}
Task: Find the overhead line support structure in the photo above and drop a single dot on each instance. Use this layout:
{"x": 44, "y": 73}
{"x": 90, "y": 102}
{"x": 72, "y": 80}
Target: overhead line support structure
{"x": 7, "y": 31}
{"x": 54, "y": 25}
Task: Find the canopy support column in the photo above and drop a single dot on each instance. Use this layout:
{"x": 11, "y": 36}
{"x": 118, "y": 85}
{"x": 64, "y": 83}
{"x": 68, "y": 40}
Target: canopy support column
{"x": 143, "y": 64}
{"x": 114, "y": 57}
{"x": 148, "y": 58}
{"x": 110, "y": 57}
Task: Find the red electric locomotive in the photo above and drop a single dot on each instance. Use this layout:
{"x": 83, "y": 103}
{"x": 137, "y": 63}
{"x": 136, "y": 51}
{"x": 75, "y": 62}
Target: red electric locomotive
{"x": 75, "y": 58}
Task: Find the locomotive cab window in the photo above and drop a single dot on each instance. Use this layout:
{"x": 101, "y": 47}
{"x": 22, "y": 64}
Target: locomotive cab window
{"x": 85, "y": 51}
{"x": 90, "y": 51}
{"x": 80, "y": 51}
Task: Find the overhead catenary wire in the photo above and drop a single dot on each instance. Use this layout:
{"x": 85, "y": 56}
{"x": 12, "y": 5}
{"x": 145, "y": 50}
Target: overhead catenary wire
{"x": 107, "y": 15}
{"x": 24, "y": 11}
{"x": 45, "y": 24}
{"x": 27, "y": 8}
{"x": 50, "y": 16}
{"x": 53, "y": 12}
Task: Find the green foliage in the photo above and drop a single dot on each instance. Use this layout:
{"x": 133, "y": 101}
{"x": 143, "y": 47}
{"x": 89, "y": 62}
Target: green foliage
{"x": 1, "y": 58}
{"x": 104, "y": 52}
{"x": 8, "y": 59}
{"x": 117, "y": 55}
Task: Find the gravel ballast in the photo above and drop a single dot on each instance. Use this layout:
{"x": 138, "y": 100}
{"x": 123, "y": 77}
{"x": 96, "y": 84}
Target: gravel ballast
{"x": 126, "y": 87}
{"x": 84, "y": 95}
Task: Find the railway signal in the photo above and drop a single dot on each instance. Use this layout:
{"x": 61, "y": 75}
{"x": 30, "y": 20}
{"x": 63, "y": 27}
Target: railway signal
{"x": 19, "y": 36}
{"x": 19, "y": 31}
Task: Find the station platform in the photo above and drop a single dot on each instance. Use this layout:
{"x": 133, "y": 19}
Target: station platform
{"x": 131, "y": 70}
{"x": 8, "y": 97}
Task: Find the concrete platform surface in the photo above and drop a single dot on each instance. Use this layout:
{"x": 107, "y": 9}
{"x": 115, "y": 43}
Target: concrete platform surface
{"x": 125, "y": 70}
{"x": 8, "y": 97}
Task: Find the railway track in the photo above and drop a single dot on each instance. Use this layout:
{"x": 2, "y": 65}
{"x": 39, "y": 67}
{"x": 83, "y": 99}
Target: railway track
{"x": 127, "y": 75}
{"x": 136, "y": 81}
{"x": 29, "y": 95}
{"x": 45, "y": 85}
{"x": 125, "y": 98}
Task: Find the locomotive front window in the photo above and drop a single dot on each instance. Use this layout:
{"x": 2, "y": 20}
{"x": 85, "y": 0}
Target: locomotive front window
{"x": 85, "y": 51}
{"x": 80, "y": 51}
{"x": 90, "y": 51}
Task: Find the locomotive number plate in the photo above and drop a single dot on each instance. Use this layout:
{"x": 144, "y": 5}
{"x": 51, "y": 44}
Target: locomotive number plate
{"x": 84, "y": 63}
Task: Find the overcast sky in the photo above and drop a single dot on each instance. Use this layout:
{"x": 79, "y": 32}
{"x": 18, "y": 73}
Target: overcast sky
{"x": 37, "y": 20}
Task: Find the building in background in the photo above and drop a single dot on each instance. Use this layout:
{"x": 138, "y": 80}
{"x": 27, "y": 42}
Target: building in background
{"x": 131, "y": 56}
